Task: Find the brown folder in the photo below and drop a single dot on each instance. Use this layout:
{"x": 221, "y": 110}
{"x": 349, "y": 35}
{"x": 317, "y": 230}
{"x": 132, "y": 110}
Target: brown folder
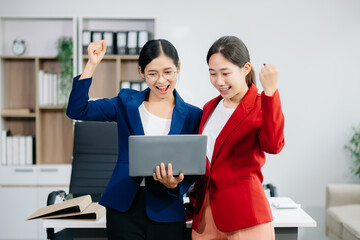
{"x": 93, "y": 212}
{"x": 75, "y": 205}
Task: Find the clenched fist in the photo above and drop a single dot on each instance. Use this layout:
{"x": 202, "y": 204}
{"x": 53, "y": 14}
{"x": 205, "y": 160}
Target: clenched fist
{"x": 268, "y": 78}
{"x": 96, "y": 52}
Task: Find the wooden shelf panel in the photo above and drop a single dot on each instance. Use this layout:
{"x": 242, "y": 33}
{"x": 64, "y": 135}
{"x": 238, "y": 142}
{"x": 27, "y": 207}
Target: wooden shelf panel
{"x": 114, "y": 57}
{"x": 56, "y": 138}
{"x": 11, "y": 57}
{"x": 106, "y": 57}
{"x": 20, "y": 82}
{"x": 18, "y": 115}
{"x": 104, "y": 83}
{"x": 21, "y": 126}
{"x": 51, "y": 107}
{"x": 129, "y": 57}
{"x": 129, "y": 71}
{"x": 50, "y": 65}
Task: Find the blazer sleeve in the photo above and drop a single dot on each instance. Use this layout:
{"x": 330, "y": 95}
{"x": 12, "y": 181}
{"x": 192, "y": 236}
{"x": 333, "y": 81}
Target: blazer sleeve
{"x": 80, "y": 108}
{"x": 271, "y": 133}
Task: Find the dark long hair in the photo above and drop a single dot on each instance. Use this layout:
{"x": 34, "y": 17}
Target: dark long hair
{"x": 234, "y": 50}
{"x": 153, "y": 48}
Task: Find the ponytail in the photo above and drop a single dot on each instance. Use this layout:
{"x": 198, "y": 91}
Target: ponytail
{"x": 250, "y": 77}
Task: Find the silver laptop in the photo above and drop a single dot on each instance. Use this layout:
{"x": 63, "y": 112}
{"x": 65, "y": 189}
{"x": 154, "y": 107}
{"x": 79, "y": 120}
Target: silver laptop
{"x": 186, "y": 153}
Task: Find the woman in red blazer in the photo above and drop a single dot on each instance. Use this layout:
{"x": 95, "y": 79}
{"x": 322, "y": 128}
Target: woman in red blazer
{"x": 241, "y": 125}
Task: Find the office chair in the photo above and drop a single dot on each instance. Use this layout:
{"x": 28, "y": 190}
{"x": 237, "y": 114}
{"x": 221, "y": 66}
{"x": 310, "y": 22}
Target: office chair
{"x": 94, "y": 158}
{"x": 271, "y": 188}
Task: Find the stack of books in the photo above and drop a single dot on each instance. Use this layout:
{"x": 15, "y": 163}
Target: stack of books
{"x": 80, "y": 208}
{"x": 49, "y": 89}
{"x": 16, "y": 150}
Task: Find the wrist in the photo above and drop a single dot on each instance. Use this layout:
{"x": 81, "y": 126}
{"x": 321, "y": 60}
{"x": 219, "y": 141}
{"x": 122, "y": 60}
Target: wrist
{"x": 89, "y": 70}
{"x": 270, "y": 93}
{"x": 172, "y": 186}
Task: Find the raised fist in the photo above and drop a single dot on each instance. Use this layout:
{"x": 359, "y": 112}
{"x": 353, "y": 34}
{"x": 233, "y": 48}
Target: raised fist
{"x": 96, "y": 51}
{"x": 268, "y": 78}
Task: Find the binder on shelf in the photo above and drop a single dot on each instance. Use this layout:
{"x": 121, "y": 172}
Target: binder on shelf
{"x": 143, "y": 38}
{"x": 125, "y": 84}
{"x": 96, "y": 36}
{"x": 121, "y": 43}
{"x": 143, "y": 85}
{"x": 135, "y": 86}
{"x": 86, "y": 39}
{"x": 110, "y": 42}
{"x": 132, "y": 43}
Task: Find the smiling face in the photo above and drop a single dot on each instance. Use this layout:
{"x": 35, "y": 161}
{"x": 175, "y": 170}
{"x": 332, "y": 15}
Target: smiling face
{"x": 161, "y": 76}
{"x": 228, "y": 78}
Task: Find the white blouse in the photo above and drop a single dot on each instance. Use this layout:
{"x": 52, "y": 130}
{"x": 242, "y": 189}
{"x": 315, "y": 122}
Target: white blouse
{"x": 214, "y": 125}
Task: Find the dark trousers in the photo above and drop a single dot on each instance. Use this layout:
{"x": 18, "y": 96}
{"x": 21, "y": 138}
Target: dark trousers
{"x": 136, "y": 225}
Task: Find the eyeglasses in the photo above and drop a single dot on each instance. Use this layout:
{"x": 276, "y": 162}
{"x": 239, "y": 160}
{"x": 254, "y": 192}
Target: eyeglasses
{"x": 154, "y": 76}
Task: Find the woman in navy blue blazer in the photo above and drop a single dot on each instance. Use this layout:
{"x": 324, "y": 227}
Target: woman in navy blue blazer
{"x": 137, "y": 207}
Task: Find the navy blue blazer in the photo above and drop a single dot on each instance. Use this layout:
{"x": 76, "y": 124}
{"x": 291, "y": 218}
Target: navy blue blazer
{"x": 162, "y": 204}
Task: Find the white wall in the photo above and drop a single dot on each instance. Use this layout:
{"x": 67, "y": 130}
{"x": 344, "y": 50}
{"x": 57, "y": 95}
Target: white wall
{"x": 314, "y": 43}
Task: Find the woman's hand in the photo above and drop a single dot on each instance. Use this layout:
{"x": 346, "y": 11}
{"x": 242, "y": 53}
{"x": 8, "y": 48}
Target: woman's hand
{"x": 96, "y": 52}
{"x": 268, "y": 78}
{"x": 167, "y": 179}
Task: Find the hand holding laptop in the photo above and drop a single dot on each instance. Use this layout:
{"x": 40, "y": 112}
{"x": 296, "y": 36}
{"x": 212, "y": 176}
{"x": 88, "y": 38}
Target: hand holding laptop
{"x": 167, "y": 178}
{"x": 182, "y": 154}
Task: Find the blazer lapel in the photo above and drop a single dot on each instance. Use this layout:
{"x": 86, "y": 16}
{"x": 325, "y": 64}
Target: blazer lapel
{"x": 179, "y": 115}
{"x": 132, "y": 109}
{"x": 242, "y": 110}
{"x": 207, "y": 111}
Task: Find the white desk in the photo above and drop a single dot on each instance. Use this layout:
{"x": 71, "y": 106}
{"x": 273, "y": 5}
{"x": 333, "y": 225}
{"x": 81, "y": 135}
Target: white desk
{"x": 286, "y": 221}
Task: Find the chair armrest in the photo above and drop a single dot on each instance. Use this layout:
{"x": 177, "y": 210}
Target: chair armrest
{"x": 342, "y": 194}
{"x": 52, "y": 196}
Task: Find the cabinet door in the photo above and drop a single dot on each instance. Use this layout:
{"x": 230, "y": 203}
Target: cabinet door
{"x": 17, "y": 204}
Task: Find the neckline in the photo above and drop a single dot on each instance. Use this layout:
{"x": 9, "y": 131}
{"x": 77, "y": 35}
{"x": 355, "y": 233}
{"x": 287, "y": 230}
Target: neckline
{"x": 152, "y": 115}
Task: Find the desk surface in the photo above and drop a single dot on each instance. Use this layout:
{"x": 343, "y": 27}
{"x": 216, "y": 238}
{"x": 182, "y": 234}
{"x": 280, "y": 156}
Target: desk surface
{"x": 296, "y": 217}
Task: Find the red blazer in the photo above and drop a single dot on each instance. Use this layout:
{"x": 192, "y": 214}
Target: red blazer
{"x": 234, "y": 178}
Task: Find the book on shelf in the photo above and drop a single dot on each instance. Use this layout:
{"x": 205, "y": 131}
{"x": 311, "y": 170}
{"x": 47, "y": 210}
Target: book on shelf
{"x": 49, "y": 89}
{"x": 80, "y": 208}
{"x": 9, "y": 150}
{"x": 17, "y": 150}
{"x": 4, "y": 134}
{"x": 29, "y": 150}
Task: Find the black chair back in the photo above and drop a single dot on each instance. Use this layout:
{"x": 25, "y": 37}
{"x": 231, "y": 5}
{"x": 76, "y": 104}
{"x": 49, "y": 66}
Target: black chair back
{"x": 94, "y": 158}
